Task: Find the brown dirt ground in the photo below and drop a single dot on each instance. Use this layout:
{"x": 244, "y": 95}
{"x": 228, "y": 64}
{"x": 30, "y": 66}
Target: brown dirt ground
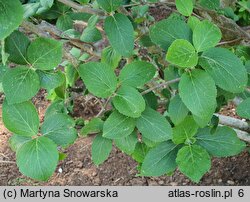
{"x": 119, "y": 169}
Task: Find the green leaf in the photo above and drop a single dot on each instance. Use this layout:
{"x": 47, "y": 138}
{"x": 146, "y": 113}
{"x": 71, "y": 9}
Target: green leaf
{"x": 129, "y": 102}
{"x": 193, "y": 161}
{"x": 90, "y": 35}
{"x": 137, "y": 73}
{"x": 45, "y": 54}
{"x": 151, "y": 100}
{"x": 222, "y": 143}
{"x": 110, "y": 5}
{"x": 71, "y": 75}
{"x": 154, "y": 126}
{"x": 118, "y": 126}
{"x": 225, "y": 68}
{"x": 11, "y": 16}
{"x": 20, "y": 84}
{"x": 182, "y": 53}
{"x": 101, "y": 148}
{"x": 16, "y": 46}
{"x": 94, "y": 126}
{"x": 64, "y": 22}
{"x": 210, "y": 4}
{"x": 99, "y": 78}
{"x": 16, "y": 141}
{"x": 243, "y": 109}
{"x": 165, "y": 32}
{"x": 198, "y": 92}
{"x": 127, "y": 144}
{"x": 160, "y": 160}
{"x": 184, "y": 132}
{"x": 51, "y": 80}
{"x": 185, "y": 7}
{"x": 3, "y": 69}
{"x": 60, "y": 129}
{"x": 120, "y": 33}
{"x": 110, "y": 57}
{"x": 56, "y": 107}
{"x": 206, "y": 35}
{"x": 140, "y": 152}
{"x": 38, "y": 158}
{"x": 21, "y": 119}
{"x": 177, "y": 110}
{"x": 193, "y": 22}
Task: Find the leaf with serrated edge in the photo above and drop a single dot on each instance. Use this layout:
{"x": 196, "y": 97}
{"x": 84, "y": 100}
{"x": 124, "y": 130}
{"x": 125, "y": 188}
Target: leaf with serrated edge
{"x": 20, "y": 84}
{"x": 44, "y": 53}
{"x": 129, "y": 102}
{"x": 198, "y": 92}
{"x": 185, "y": 7}
{"x": 127, "y": 144}
{"x": 160, "y": 160}
{"x": 225, "y": 68}
{"x": 137, "y": 73}
{"x": 101, "y": 148}
{"x": 120, "y": 33}
{"x": 99, "y": 78}
{"x": 243, "y": 109}
{"x": 118, "y": 126}
{"x": 222, "y": 143}
{"x": 206, "y": 35}
{"x": 154, "y": 126}
{"x": 21, "y": 119}
{"x": 60, "y": 129}
{"x": 182, "y": 53}
{"x": 193, "y": 161}
{"x": 38, "y": 158}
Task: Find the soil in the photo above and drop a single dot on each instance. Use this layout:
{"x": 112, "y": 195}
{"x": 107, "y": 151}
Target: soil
{"x": 77, "y": 169}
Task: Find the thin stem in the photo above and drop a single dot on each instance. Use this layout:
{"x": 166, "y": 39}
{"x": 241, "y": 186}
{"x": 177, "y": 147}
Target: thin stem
{"x": 160, "y": 85}
{"x": 8, "y": 162}
{"x": 104, "y": 107}
{"x": 228, "y": 42}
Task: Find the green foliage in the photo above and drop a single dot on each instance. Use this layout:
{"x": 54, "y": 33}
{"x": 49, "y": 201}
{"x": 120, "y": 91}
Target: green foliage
{"x": 127, "y": 144}
{"x": 21, "y": 119}
{"x": 129, "y": 102}
{"x": 205, "y": 35}
{"x": 94, "y": 126}
{"x": 184, "y": 132}
{"x": 185, "y": 7}
{"x": 99, "y": 78}
{"x": 109, "y": 5}
{"x": 60, "y": 129}
{"x": 225, "y": 68}
{"x": 20, "y": 84}
{"x": 11, "y": 17}
{"x": 182, "y": 53}
{"x": 16, "y": 46}
{"x": 38, "y": 158}
{"x": 101, "y": 148}
{"x": 195, "y": 89}
{"x": 160, "y": 160}
{"x": 118, "y": 126}
{"x": 243, "y": 109}
{"x": 193, "y": 161}
{"x": 129, "y": 81}
{"x": 222, "y": 143}
{"x": 177, "y": 110}
{"x": 137, "y": 73}
{"x": 120, "y": 33}
{"x": 154, "y": 126}
{"x": 165, "y": 32}
{"x": 42, "y": 50}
